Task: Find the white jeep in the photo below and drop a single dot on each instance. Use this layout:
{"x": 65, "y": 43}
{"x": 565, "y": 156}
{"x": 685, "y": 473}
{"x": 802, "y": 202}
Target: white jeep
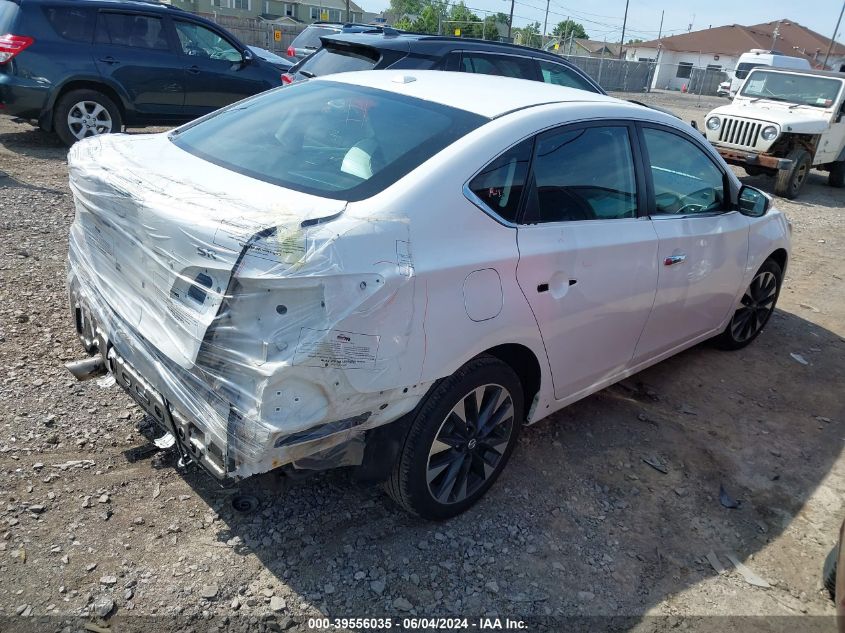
{"x": 783, "y": 123}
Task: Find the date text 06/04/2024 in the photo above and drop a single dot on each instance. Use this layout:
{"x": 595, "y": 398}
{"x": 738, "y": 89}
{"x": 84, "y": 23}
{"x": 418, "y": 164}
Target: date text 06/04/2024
{"x": 416, "y": 623}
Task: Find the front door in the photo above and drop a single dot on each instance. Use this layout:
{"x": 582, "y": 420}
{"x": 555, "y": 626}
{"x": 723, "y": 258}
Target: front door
{"x": 703, "y": 243}
{"x": 133, "y": 51}
{"x": 215, "y": 71}
{"x": 587, "y": 261}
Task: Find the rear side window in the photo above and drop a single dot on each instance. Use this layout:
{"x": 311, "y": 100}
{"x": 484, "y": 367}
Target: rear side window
{"x": 71, "y": 23}
{"x": 328, "y": 139}
{"x": 310, "y": 37}
{"x": 499, "y": 185}
{"x": 8, "y": 13}
{"x": 500, "y": 65}
{"x": 560, "y": 75}
{"x": 583, "y": 174}
{"x": 129, "y": 29}
{"x": 327, "y": 61}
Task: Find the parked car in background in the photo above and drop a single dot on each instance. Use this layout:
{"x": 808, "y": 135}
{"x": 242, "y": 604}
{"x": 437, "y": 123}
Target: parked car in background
{"x": 279, "y": 63}
{"x": 86, "y": 67}
{"x": 784, "y": 123}
{"x": 308, "y": 40}
{"x": 401, "y": 51}
{"x": 396, "y": 270}
{"x": 757, "y": 57}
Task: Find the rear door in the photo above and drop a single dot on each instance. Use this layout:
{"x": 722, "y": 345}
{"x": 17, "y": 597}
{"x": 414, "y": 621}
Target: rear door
{"x": 703, "y": 242}
{"x": 587, "y": 257}
{"x": 135, "y": 51}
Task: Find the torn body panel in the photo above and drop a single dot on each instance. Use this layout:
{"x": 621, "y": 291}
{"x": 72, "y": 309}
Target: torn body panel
{"x": 261, "y": 336}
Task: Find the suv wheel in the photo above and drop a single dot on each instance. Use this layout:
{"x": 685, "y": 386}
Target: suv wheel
{"x": 836, "y": 177}
{"x": 755, "y": 308}
{"x": 788, "y": 182}
{"x": 459, "y": 440}
{"x": 83, "y": 113}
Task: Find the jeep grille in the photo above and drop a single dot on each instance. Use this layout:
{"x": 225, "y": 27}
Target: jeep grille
{"x": 740, "y": 132}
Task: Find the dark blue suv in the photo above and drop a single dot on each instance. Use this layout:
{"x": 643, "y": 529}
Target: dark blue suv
{"x": 87, "y": 67}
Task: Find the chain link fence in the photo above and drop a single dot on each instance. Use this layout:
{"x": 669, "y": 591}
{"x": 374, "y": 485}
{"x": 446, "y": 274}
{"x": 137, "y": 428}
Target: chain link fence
{"x": 272, "y": 36}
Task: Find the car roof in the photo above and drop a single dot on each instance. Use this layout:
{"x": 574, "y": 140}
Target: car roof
{"x": 487, "y": 95}
{"x": 402, "y": 40}
{"x": 153, "y": 5}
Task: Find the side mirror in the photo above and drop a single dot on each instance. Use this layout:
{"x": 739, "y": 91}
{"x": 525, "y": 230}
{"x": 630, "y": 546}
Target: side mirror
{"x": 753, "y": 202}
{"x": 247, "y": 57}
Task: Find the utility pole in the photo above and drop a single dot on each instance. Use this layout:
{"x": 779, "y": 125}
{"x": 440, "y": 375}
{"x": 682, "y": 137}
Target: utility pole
{"x": 775, "y": 36}
{"x": 510, "y": 22}
{"x": 624, "y": 24}
{"x": 833, "y": 39}
{"x": 348, "y": 18}
{"x": 546, "y": 22}
{"x": 660, "y": 30}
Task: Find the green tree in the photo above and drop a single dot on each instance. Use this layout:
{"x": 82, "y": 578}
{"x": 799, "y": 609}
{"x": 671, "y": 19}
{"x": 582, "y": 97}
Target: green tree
{"x": 568, "y": 28}
{"x": 529, "y": 35}
{"x": 637, "y": 41}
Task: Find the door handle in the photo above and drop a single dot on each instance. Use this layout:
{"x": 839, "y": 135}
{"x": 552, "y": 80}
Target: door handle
{"x": 675, "y": 258}
{"x": 194, "y": 70}
{"x": 560, "y": 291}
{"x": 109, "y": 60}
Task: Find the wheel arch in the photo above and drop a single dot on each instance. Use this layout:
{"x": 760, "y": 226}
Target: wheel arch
{"x": 525, "y": 365}
{"x": 46, "y": 121}
{"x": 780, "y": 257}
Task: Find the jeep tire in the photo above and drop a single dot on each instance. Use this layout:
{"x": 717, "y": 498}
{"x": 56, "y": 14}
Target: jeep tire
{"x": 788, "y": 182}
{"x": 836, "y": 177}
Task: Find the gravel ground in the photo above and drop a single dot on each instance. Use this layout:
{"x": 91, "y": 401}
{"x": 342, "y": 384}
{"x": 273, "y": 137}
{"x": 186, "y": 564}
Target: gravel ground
{"x": 578, "y": 525}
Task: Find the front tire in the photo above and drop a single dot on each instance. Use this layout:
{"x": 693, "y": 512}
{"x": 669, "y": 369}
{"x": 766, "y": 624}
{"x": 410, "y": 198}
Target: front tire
{"x": 459, "y": 440}
{"x": 788, "y": 182}
{"x": 756, "y": 307}
{"x": 83, "y": 113}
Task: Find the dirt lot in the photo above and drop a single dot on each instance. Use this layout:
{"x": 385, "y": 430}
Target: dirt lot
{"x": 578, "y": 525}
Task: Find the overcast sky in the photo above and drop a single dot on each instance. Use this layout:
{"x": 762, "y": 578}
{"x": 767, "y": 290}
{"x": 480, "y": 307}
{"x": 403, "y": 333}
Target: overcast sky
{"x": 603, "y": 18}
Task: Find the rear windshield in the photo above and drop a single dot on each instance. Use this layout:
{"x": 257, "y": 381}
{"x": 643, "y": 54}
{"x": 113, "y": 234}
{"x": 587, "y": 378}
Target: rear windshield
{"x": 328, "y": 139}
{"x": 327, "y": 61}
{"x": 310, "y": 37}
{"x": 8, "y": 13}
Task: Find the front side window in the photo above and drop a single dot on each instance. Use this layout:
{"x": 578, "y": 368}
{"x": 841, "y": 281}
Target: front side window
{"x": 128, "y": 29}
{"x": 583, "y": 174}
{"x": 499, "y": 185}
{"x": 560, "y": 75}
{"x": 198, "y": 41}
{"x": 499, "y": 65}
{"x": 686, "y": 181}
{"x": 328, "y": 139}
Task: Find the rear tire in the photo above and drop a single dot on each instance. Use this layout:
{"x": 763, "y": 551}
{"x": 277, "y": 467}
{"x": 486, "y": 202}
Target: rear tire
{"x": 83, "y": 113}
{"x": 789, "y": 182}
{"x": 836, "y": 177}
{"x": 829, "y": 572}
{"x": 756, "y": 307}
{"x": 459, "y": 440}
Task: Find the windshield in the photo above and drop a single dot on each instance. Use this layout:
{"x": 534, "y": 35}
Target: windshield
{"x": 742, "y": 69}
{"x": 809, "y": 90}
{"x": 327, "y": 61}
{"x": 310, "y": 37}
{"x": 328, "y": 139}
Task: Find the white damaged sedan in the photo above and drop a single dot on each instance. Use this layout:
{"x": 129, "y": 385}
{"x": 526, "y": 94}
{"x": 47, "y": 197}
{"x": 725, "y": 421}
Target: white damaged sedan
{"x": 396, "y": 272}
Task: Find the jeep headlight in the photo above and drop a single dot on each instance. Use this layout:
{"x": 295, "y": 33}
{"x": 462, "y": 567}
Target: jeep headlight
{"x": 713, "y": 123}
{"x": 769, "y": 133}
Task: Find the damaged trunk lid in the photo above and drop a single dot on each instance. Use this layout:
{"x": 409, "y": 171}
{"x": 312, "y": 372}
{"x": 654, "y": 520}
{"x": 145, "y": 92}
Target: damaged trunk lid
{"x": 161, "y": 232}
